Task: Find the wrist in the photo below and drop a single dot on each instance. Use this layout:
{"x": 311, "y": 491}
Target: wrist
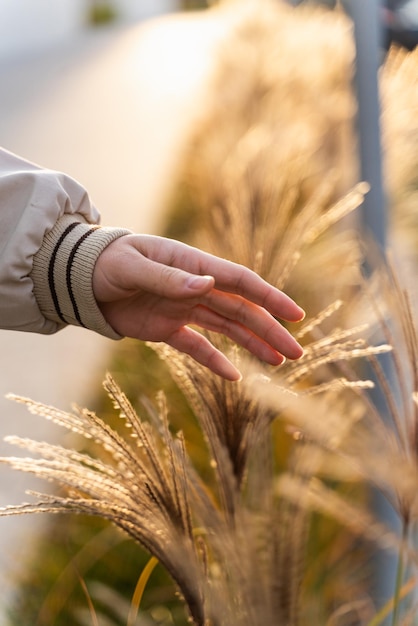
{"x": 63, "y": 270}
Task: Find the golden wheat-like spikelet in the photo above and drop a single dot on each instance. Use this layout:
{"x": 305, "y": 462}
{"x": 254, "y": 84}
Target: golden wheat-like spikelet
{"x": 143, "y": 490}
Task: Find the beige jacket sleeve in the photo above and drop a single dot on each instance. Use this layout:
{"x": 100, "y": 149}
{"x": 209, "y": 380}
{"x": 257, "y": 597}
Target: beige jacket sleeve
{"x": 49, "y": 243}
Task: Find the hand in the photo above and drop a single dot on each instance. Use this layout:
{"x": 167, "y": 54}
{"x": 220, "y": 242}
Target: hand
{"x": 151, "y": 288}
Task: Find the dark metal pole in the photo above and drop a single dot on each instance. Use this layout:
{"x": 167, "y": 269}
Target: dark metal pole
{"x": 368, "y": 36}
{"x": 368, "y": 39}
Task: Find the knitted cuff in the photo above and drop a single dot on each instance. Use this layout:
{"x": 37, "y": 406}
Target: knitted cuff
{"x": 63, "y": 269}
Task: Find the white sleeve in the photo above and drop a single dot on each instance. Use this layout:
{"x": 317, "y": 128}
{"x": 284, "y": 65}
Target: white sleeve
{"x": 49, "y": 243}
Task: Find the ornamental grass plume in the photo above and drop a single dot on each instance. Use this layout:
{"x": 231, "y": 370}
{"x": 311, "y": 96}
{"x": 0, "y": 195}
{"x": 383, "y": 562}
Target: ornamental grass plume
{"x": 354, "y": 439}
{"x": 236, "y": 549}
{"x": 279, "y": 133}
{"x": 222, "y": 549}
{"x": 142, "y": 491}
{"x": 269, "y": 181}
{"x": 399, "y": 95}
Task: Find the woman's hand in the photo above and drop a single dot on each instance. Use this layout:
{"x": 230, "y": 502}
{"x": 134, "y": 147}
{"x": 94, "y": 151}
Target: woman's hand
{"x": 152, "y": 288}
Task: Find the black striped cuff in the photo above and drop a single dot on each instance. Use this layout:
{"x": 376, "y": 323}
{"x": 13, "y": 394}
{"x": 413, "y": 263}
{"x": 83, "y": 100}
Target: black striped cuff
{"x": 63, "y": 270}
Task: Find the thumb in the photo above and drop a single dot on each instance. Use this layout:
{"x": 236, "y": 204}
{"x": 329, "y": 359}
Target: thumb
{"x": 122, "y": 270}
{"x": 196, "y": 284}
{"x": 158, "y": 268}
{"x": 170, "y": 282}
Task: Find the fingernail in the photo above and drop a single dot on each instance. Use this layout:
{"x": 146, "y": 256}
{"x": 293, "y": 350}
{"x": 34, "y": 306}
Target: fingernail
{"x": 199, "y": 282}
{"x": 232, "y": 374}
{"x": 277, "y": 359}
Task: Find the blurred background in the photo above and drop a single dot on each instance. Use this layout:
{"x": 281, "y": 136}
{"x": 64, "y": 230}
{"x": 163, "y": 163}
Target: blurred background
{"x": 108, "y": 95}
{"x": 26, "y": 25}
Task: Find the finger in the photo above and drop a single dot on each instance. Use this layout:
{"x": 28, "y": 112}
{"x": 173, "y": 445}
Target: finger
{"x": 191, "y": 342}
{"x": 248, "y": 284}
{"x": 238, "y": 279}
{"x": 239, "y": 334}
{"x": 232, "y": 308}
{"x": 229, "y": 276}
{"x": 165, "y": 281}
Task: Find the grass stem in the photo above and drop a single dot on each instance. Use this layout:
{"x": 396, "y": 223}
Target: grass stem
{"x": 139, "y": 590}
{"x": 399, "y": 575}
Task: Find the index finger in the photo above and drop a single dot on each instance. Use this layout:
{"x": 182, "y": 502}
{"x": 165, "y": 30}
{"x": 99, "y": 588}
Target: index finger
{"x": 238, "y": 279}
{"x": 229, "y": 276}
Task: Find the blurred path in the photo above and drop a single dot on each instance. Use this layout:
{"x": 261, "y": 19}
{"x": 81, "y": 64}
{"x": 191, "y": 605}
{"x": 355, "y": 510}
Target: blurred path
{"x": 112, "y": 109}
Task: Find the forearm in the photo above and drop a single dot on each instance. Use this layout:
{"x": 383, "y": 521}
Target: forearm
{"x": 49, "y": 243}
